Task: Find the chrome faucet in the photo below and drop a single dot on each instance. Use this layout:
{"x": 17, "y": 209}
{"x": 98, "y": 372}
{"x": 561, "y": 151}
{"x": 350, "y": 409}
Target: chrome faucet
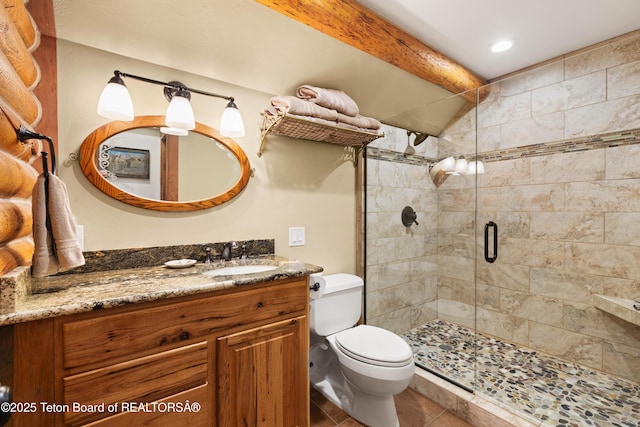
{"x": 207, "y": 258}
{"x": 227, "y": 250}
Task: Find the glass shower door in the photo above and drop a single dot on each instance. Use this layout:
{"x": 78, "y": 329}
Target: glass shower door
{"x": 420, "y": 279}
{"x": 452, "y": 335}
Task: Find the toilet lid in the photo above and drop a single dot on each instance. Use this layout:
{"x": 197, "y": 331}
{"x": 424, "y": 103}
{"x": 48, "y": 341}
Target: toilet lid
{"x": 374, "y": 345}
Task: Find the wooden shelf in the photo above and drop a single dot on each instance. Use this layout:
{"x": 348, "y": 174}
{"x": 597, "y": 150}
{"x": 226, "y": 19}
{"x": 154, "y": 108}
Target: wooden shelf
{"x": 298, "y": 127}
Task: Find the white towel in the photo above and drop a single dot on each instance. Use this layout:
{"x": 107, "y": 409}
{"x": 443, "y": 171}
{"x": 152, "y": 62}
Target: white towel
{"x": 360, "y": 121}
{"x": 56, "y": 249}
{"x": 337, "y": 124}
{"x": 299, "y": 107}
{"x": 329, "y": 98}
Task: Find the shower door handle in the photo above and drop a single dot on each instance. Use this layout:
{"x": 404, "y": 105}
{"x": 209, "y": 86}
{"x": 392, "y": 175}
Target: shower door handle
{"x": 487, "y": 226}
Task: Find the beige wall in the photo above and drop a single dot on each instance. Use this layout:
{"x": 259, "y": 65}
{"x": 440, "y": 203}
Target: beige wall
{"x": 296, "y": 182}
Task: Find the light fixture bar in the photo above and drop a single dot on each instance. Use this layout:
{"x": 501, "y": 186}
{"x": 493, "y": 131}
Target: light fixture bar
{"x": 115, "y": 103}
{"x": 171, "y": 85}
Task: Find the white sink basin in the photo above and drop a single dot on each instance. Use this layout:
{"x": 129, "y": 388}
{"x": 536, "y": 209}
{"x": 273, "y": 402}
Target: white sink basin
{"x": 240, "y": 269}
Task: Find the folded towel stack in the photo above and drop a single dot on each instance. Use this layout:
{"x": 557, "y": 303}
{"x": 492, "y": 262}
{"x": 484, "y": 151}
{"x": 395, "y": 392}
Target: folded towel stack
{"x": 328, "y": 106}
{"x": 329, "y": 98}
{"x": 54, "y": 229}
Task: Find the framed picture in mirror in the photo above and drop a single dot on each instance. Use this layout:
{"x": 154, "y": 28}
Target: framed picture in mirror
{"x": 128, "y": 162}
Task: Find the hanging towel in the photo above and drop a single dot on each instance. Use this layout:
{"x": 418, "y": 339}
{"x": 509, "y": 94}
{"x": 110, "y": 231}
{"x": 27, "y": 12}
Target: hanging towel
{"x": 329, "y": 98}
{"x": 56, "y": 244}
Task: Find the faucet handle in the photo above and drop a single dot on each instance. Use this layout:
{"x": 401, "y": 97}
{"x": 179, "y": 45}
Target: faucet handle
{"x": 227, "y": 250}
{"x": 207, "y": 257}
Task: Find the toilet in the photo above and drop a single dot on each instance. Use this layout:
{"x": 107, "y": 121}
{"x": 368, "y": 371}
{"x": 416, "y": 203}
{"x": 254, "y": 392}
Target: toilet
{"x": 358, "y": 368}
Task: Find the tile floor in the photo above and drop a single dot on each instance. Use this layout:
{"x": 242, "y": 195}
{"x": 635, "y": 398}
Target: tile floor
{"x": 543, "y": 388}
{"x": 414, "y": 410}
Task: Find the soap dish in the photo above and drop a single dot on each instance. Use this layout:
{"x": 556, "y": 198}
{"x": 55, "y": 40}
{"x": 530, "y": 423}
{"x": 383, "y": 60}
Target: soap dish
{"x": 180, "y": 263}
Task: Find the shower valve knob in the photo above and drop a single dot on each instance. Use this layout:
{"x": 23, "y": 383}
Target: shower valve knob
{"x": 409, "y": 216}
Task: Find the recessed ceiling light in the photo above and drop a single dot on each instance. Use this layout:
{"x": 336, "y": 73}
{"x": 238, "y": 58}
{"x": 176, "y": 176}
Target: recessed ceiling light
{"x": 501, "y": 46}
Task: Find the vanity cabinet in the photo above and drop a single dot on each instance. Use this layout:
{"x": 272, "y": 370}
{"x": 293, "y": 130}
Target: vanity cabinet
{"x": 259, "y": 375}
{"x": 225, "y": 358}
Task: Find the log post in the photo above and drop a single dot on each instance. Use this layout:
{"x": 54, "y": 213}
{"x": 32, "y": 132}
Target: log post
{"x": 357, "y": 26}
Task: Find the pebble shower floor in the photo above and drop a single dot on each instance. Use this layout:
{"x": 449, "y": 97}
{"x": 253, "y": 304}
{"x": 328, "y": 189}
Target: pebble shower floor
{"x": 544, "y": 388}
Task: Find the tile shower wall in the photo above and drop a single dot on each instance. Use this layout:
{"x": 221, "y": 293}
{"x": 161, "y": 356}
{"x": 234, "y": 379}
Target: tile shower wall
{"x": 401, "y": 262}
{"x": 567, "y": 205}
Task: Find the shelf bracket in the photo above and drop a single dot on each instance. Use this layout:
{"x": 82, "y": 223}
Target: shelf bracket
{"x": 267, "y": 124}
{"x": 354, "y": 154}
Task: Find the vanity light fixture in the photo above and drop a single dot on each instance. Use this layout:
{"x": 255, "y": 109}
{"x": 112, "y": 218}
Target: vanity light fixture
{"x": 442, "y": 169}
{"x": 476, "y": 167}
{"x": 462, "y": 166}
{"x": 174, "y": 131}
{"x": 448, "y": 164}
{"x": 179, "y": 113}
{"x": 115, "y": 103}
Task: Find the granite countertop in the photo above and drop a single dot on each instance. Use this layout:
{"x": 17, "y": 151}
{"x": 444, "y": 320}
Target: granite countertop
{"x": 75, "y": 293}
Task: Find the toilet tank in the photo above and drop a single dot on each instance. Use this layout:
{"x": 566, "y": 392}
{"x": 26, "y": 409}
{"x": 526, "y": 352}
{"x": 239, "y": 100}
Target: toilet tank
{"x": 339, "y": 307}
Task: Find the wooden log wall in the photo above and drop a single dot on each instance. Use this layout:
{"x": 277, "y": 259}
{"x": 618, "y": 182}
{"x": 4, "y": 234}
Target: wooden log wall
{"x": 19, "y": 77}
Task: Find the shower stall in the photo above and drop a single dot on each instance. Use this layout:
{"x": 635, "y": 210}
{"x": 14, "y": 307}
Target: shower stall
{"x": 519, "y": 283}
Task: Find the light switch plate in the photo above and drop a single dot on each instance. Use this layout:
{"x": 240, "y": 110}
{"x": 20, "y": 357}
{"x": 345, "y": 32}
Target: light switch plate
{"x": 296, "y": 236}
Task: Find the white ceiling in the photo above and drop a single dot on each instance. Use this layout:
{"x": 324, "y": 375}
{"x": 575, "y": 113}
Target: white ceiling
{"x": 464, "y": 30}
{"x": 244, "y": 43}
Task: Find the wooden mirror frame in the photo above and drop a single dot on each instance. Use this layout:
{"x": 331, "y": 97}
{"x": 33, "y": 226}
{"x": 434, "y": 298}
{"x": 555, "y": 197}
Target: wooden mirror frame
{"x": 91, "y": 171}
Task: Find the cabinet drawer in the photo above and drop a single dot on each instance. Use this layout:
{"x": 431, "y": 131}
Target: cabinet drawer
{"x": 95, "y": 340}
{"x": 164, "y": 415}
{"x": 146, "y": 379}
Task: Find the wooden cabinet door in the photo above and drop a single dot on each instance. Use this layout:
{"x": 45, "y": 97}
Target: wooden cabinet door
{"x": 263, "y": 376}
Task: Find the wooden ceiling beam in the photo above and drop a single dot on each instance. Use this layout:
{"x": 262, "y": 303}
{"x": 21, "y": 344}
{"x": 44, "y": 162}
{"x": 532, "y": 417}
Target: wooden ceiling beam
{"x": 359, "y": 27}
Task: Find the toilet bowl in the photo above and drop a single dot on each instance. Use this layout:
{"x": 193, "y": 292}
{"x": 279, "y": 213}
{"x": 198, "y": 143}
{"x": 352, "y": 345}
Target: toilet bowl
{"x": 358, "y": 368}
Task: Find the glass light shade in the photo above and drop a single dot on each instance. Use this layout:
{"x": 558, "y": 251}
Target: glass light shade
{"x": 115, "y": 102}
{"x": 476, "y": 167}
{"x": 231, "y": 123}
{"x": 174, "y": 131}
{"x": 180, "y": 114}
{"x": 448, "y": 164}
{"x": 472, "y": 168}
{"x": 461, "y": 165}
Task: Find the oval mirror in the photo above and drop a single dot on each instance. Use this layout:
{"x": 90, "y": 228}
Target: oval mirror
{"x": 135, "y": 163}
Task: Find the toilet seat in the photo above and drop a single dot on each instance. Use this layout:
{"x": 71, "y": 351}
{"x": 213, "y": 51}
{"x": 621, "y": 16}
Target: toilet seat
{"x": 374, "y": 346}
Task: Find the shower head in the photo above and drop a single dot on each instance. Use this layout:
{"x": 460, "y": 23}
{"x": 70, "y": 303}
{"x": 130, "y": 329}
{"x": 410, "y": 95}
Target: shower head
{"x": 419, "y": 137}
{"x": 410, "y": 151}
